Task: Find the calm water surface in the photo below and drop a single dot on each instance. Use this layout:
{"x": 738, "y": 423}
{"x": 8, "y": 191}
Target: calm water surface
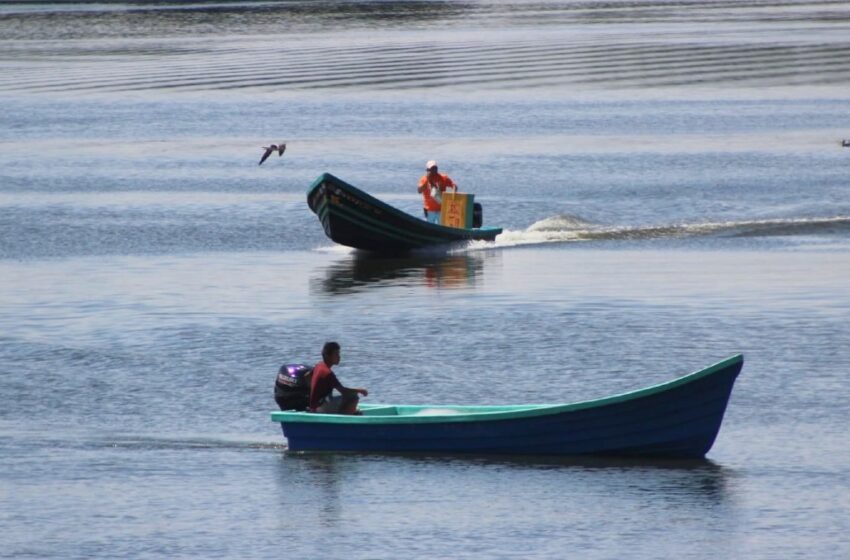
{"x": 672, "y": 188}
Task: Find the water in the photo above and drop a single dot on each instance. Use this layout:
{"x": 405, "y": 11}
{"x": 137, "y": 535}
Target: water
{"x": 673, "y": 190}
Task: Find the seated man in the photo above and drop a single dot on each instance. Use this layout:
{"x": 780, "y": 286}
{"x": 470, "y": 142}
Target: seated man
{"x": 324, "y": 382}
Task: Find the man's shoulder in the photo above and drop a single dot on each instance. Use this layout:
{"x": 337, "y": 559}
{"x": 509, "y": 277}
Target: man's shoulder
{"x": 321, "y": 369}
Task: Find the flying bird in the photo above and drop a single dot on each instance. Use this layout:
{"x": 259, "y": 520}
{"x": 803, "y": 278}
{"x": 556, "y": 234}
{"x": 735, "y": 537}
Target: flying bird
{"x": 845, "y": 143}
{"x": 270, "y": 149}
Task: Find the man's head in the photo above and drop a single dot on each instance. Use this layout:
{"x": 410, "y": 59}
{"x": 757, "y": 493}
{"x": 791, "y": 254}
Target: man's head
{"x": 431, "y": 167}
{"x": 330, "y": 353}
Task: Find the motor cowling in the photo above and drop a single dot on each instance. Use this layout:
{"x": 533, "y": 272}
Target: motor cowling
{"x": 292, "y": 386}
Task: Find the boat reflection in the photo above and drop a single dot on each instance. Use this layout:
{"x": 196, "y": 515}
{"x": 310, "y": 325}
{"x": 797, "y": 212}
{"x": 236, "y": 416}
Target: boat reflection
{"x": 678, "y": 483}
{"x": 362, "y": 271}
{"x": 324, "y": 474}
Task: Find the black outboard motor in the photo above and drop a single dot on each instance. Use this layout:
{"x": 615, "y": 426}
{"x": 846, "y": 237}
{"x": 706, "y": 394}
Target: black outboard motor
{"x": 292, "y": 386}
{"x": 477, "y": 215}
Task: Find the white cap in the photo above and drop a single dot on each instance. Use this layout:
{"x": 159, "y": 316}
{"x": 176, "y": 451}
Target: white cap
{"x": 430, "y": 164}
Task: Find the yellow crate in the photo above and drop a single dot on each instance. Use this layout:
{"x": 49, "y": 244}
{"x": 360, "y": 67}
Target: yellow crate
{"x": 456, "y": 210}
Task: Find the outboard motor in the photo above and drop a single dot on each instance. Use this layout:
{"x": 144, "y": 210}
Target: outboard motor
{"x": 292, "y": 386}
{"x": 477, "y": 215}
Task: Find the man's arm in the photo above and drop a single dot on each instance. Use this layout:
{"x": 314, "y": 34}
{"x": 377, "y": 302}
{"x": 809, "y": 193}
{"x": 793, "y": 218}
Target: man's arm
{"x": 352, "y": 391}
{"x": 450, "y": 184}
{"x": 346, "y": 391}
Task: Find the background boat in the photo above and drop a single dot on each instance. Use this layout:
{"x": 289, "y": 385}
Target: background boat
{"x": 356, "y": 219}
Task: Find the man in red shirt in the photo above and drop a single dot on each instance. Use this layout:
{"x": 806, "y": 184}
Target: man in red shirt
{"x": 432, "y": 185}
{"x": 324, "y": 382}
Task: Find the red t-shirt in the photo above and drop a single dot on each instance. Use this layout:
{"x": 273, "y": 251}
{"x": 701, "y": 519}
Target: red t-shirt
{"x": 324, "y": 381}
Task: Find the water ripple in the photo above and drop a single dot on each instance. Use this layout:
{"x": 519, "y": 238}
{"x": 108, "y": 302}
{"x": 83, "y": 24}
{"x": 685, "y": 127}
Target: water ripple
{"x": 649, "y": 44}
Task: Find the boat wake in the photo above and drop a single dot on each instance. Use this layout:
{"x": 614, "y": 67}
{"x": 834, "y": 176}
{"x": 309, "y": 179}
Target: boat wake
{"x": 132, "y": 441}
{"x": 571, "y": 229}
{"x": 560, "y": 222}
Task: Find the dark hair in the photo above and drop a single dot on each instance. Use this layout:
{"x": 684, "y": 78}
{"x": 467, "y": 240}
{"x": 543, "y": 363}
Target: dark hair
{"x": 328, "y": 349}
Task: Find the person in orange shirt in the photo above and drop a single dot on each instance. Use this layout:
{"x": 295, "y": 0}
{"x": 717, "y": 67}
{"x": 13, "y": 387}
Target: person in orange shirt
{"x": 432, "y": 185}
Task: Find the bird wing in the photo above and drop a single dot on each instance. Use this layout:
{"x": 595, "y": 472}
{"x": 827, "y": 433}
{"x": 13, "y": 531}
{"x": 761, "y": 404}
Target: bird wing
{"x": 266, "y": 155}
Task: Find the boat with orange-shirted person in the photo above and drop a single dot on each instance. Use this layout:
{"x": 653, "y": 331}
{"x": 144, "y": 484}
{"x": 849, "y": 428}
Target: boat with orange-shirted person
{"x": 354, "y": 218}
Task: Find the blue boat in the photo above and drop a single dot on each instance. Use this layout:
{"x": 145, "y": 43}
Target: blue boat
{"x": 679, "y": 418}
{"x": 356, "y": 219}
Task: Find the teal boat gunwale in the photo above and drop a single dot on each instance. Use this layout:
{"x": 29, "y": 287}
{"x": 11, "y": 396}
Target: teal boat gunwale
{"x": 476, "y": 413}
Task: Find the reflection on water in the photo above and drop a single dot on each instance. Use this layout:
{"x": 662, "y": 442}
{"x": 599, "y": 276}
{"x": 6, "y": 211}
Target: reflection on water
{"x": 362, "y": 271}
{"x": 704, "y": 465}
{"x": 679, "y": 483}
{"x": 321, "y": 472}
{"x": 689, "y": 480}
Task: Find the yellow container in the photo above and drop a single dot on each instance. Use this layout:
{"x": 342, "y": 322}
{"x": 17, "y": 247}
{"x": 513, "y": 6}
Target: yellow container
{"x": 456, "y": 210}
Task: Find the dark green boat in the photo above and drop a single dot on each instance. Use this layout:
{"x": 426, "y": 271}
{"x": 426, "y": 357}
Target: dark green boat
{"x": 356, "y": 219}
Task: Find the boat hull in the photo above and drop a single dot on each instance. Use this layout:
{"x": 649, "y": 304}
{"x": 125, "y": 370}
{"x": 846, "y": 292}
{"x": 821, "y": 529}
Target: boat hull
{"x": 678, "y": 419}
{"x": 356, "y": 219}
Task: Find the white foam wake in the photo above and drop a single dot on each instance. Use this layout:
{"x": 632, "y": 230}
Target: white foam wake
{"x": 567, "y": 229}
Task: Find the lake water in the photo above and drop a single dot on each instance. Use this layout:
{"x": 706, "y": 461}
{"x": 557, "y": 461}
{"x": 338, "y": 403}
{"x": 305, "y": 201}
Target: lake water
{"x": 673, "y": 191}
